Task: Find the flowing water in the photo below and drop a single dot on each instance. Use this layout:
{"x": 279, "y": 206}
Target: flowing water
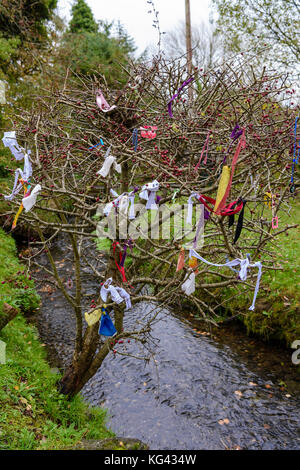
{"x": 201, "y": 390}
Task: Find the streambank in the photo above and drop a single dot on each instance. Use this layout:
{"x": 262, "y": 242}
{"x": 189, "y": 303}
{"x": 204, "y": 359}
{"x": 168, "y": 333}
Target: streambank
{"x": 33, "y": 414}
{"x": 203, "y": 389}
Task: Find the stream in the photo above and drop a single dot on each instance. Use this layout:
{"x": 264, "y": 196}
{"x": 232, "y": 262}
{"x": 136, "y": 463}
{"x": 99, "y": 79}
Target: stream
{"x": 203, "y": 389}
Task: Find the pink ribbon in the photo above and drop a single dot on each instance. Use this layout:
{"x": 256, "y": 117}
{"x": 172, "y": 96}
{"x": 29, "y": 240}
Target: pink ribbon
{"x": 148, "y": 134}
{"x": 205, "y": 148}
{"x": 102, "y": 103}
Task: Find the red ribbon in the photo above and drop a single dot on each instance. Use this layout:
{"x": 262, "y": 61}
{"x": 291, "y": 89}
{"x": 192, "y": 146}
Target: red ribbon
{"x": 205, "y": 147}
{"x": 241, "y": 144}
{"x": 120, "y": 268}
{"x": 206, "y": 201}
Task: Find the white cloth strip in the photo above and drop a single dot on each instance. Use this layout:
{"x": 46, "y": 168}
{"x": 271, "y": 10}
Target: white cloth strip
{"x": 122, "y": 202}
{"x": 115, "y": 297}
{"x": 29, "y": 201}
{"x": 108, "y": 162}
{"x": 149, "y": 194}
{"x": 244, "y": 265}
{"x": 122, "y": 292}
{"x": 190, "y": 208}
{"x": 118, "y": 294}
{"x": 10, "y": 141}
{"x": 131, "y": 209}
{"x": 188, "y": 286}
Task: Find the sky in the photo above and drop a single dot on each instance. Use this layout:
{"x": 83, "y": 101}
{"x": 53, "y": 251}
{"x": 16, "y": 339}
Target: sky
{"x": 138, "y": 23}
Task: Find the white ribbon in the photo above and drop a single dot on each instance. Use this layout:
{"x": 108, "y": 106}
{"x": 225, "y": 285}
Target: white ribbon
{"x": 29, "y": 201}
{"x": 149, "y": 194}
{"x": 190, "y": 207}
{"x": 113, "y": 192}
{"x": 25, "y": 174}
{"x": 131, "y": 197}
{"x": 122, "y": 292}
{"x": 108, "y": 207}
{"x": 244, "y": 265}
{"x": 188, "y": 286}
{"x": 109, "y": 160}
{"x": 118, "y": 294}
{"x": 122, "y": 202}
{"x": 10, "y": 141}
{"x": 115, "y": 297}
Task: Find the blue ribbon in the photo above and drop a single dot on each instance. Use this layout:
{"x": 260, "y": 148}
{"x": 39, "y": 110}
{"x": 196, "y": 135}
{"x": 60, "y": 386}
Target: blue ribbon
{"x": 295, "y": 155}
{"x": 100, "y": 143}
{"x": 135, "y": 139}
{"x": 295, "y": 143}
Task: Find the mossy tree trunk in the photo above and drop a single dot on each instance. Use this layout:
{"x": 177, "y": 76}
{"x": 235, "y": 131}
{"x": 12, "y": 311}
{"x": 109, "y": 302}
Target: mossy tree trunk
{"x": 9, "y": 313}
{"x": 86, "y": 364}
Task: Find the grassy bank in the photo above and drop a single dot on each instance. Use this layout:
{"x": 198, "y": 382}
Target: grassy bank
{"x": 33, "y": 414}
{"x": 277, "y": 309}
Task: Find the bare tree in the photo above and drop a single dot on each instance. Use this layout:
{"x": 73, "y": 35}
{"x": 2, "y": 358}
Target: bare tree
{"x": 64, "y": 128}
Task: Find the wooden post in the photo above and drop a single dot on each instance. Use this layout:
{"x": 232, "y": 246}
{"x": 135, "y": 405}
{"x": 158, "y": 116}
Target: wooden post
{"x": 188, "y": 34}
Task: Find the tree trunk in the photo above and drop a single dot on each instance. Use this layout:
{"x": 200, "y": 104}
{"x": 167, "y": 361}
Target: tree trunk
{"x": 9, "y": 313}
{"x": 83, "y": 366}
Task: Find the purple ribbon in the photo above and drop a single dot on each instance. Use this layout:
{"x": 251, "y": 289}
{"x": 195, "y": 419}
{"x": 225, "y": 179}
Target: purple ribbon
{"x": 206, "y": 214}
{"x": 235, "y": 134}
{"x": 128, "y": 244}
{"x": 175, "y": 96}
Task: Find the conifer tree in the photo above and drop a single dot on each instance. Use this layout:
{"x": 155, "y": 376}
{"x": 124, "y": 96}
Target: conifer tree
{"x": 82, "y": 18}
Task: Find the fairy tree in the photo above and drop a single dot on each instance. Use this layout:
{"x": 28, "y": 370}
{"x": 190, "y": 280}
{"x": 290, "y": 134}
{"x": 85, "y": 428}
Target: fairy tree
{"x": 63, "y": 130}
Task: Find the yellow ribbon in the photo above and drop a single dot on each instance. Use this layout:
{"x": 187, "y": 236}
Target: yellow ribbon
{"x": 225, "y": 177}
{"x": 21, "y": 206}
{"x": 268, "y": 200}
{"x": 193, "y": 263}
{"x": 92, "y": 318}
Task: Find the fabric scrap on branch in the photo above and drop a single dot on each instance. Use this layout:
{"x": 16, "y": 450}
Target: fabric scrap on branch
{"x": 204, "y": 149}
{"x": 106, "y": 327}
{"x": 102, "y": 103}
{"x": 149, "y": 194}
{"x": 244, "y": 265}
{"x": 10, "y": 141}
{"x": 176, "y": 95}
{"x": 109, "y": 160}
{"x": 189, "y": 286}
{"x": 93, "y": 317}
{"x": 117, "y": 294}
{"x": 148, "y": 132}
{"x": 221, "y": 204}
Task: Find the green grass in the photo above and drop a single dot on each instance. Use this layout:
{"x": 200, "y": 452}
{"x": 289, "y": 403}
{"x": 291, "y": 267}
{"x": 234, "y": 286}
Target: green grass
{"x": 34, "y": 415}
{"x": 16, "y": 288}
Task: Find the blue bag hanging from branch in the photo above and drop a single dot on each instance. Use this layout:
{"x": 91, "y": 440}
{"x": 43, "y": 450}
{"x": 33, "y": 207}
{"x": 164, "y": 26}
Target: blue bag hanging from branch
{"x": 106, "y": 328}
